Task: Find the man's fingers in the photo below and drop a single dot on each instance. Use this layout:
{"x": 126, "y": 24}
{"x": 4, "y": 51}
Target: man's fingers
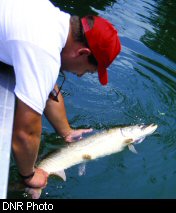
{"x": 87, "y": 130}
{"x": 76, "y": 135}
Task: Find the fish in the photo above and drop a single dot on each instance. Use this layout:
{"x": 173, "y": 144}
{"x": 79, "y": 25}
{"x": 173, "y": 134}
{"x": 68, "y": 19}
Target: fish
{"x": 93, "y": 147}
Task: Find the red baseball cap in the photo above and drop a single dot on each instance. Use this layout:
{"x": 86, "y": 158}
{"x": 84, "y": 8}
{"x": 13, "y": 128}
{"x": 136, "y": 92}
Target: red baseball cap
{"x": 104, "y": 43}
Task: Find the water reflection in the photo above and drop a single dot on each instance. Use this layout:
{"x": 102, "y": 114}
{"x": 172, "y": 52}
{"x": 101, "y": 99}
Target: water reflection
{"x": 163, "y": 20}
{"x": 82, "y": 7}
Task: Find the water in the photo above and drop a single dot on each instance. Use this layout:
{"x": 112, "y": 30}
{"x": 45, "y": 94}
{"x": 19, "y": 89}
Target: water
{"x": 141, "y": 89}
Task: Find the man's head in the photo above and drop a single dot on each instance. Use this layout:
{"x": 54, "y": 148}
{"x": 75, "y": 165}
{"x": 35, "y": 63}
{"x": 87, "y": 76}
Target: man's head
{"x": 94, "y": 44}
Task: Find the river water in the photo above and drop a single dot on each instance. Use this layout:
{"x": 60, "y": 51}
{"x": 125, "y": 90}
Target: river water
{"x": 141, "y": 90}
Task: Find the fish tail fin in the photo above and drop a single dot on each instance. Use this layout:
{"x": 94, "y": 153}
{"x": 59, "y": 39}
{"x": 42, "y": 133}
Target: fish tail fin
{"x": 34, "y": 193}
{"x": 132, "y": 148}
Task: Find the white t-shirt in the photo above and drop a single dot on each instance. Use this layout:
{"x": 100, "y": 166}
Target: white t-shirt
{"x": 32, "y": 35}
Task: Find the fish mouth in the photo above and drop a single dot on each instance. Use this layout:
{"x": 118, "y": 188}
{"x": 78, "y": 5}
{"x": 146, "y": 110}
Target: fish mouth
{"x": 146, "y": 130}
{"x": 149, "y": 129}
{"x": 138, "y": 131}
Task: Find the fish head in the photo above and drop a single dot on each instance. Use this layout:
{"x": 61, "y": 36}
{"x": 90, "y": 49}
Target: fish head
{"x": 137, "y": 133}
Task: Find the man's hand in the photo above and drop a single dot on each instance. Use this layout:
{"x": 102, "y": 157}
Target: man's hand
{"x": 75, "y": 135}
{"x": 39, "y": 180}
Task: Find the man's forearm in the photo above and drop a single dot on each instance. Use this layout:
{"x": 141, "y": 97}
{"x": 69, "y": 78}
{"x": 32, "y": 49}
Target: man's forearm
{"x": 26, "y": 137}
{"x": 25, "y": 149}
{"x": 56, "y": 114}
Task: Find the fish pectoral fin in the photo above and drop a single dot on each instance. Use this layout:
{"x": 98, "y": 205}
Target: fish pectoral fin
{"x": 61, "y": 174}
{"x": 132, "y": 148}
{"x": 139, "y": 140}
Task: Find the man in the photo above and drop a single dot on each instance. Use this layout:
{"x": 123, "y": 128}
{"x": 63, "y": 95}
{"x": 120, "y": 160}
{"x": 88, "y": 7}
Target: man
{"x": 38, "y": 40}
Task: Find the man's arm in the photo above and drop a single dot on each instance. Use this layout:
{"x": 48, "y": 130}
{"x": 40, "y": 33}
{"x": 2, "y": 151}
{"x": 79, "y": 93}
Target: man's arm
{"x": 56, "y": 114}
{"x": 26, "y": 142}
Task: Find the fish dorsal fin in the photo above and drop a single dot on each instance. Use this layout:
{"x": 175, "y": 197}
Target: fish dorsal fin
{"x": 61, "y": 174}
{"x": 131, "y": 148}
{"x": 82, "y": 169}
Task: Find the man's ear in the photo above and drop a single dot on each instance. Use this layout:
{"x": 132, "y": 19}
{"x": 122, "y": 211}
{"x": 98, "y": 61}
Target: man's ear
{"x": 84, "y": 51}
